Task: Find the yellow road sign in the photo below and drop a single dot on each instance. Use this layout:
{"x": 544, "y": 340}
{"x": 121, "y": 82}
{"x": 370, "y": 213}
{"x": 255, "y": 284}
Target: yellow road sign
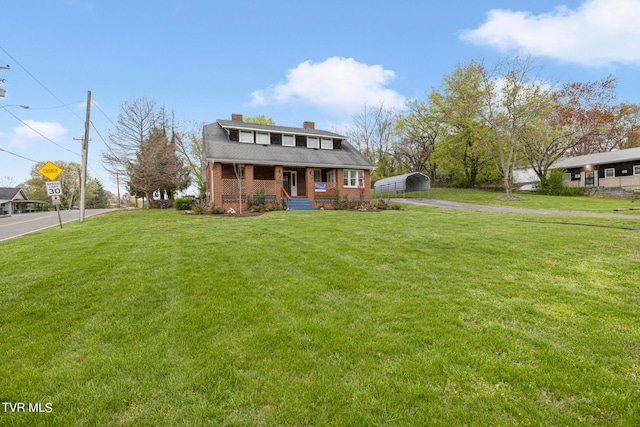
{"x": 49, "y": 170}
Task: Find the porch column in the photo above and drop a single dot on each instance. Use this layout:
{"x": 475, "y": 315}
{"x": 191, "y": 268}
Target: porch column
{"x": 248, "y": 181}
{"x": 216, "y": 185}
{"x": 278, "y": 176}
{"x": 340, "y": 180}
{"x": 311, "y": 187}
{"x": 367, "y": 185}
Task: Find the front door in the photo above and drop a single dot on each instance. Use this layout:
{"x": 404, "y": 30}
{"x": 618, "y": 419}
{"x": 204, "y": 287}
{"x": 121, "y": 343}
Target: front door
{"x": 290, "y": 182}
{"x": 589, "y": 180}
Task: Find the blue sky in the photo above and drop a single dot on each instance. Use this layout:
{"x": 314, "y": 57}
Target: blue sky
{"x": 292, "y": 61}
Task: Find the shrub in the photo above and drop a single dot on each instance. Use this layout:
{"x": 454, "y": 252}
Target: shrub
{"x": 258, "y": 203}
{"x": 553, "y": 185}
{"x": 216, "y": 211}
{"x": 198, "y": 209}
{"x": 382, "y": 205}
{"x": 183, "y": 203}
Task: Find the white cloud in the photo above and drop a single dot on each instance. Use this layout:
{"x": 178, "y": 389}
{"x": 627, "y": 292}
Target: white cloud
{"x": 33, "y": 131}
{"x": 599, "y": 32}
{"x": 338, "y": 85}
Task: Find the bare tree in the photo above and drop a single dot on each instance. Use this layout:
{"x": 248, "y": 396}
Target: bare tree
{"x": 7, "y": 181}
{"x": 135, "y": 123}
{"x": 372, "y": 133}
{"x": 513, "y": 97}
{"x": 189, "y": 145}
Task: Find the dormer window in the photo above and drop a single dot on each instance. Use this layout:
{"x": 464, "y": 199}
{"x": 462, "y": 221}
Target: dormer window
{"x": 288, "y": 141}
{"x": 313, "y": 142}
{"x": 263, "y": 138}
{"x": 326, "y": 144}
{"x": 246, "y": 136}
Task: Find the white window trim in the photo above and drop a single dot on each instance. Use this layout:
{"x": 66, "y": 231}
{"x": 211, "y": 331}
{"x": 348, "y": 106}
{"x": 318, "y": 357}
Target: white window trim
{"x": 610, "y": 169}
{"x": 353, "y": 178}
{"x": 332, "y": 176}
{"x": 263, "y": 135}
{"x": 245, "y": 133}
{"x": 313, "y": 142}
{"x": 292, "y": 139}
{"x": 326, "y": 143}
{"x": 636, "y": 170}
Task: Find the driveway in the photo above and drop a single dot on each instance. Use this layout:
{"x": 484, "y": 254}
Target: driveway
{"x": 20, "y": 224}
{"x": 445, "y": 204}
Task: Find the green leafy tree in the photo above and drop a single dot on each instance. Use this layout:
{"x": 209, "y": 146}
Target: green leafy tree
{"x": 419, "y": 131}
{"x": 261, "y": 119}
{"x": 97, "y": 197}
{"x": 458, "y": 104}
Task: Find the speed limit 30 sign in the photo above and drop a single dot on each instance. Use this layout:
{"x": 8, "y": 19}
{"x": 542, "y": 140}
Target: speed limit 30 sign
{"x": 53, "y": 188}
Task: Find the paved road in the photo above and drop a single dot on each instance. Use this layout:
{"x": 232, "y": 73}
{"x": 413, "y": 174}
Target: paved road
{"x": 20, "y": 224}
{"x": 506, "y": 209}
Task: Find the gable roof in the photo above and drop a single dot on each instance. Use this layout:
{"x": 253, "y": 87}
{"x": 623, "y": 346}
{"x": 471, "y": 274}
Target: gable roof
{"x": 8, "y": 194}
{"x": 218, "y": 148}
{"x": 608, "y": 157}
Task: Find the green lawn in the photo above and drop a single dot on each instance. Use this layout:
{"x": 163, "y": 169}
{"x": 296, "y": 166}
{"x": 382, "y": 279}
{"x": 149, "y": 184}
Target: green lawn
{"x": 416, "y": 317}
{"x": 533, "y": 200}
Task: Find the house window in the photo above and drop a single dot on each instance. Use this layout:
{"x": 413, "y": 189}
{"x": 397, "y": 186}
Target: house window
{"x": 313, "y": 142}
{"x": 246, "y": 136}
{"x": 263, "y": 138}
{"x": 609, "y": 173}
{"x": 288, "y": 140}
{"x": 567, "y": 176}
{"x": 326, "y": 144}
{"x": 317, "y": 175}
{"x": 331, "y": 176}
{"x": 636, "y": 169}
{"x": 353, "y": 178}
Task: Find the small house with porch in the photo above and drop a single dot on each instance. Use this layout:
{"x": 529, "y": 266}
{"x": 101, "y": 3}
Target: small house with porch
{"x": 15, "y": 200}
{"x": 612, "y": 169}
{"x": 301, "y": 167}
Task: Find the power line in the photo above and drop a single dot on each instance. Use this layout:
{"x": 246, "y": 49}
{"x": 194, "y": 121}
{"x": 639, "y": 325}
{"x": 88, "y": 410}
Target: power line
{"x": 40, "y": 83}
{"x": 30, "y": 127}
{"x": 18, "y": 155}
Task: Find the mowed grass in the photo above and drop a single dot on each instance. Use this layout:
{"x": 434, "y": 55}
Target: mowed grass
{"x": 530, "y": 200}
{"x": 416, "y": 317}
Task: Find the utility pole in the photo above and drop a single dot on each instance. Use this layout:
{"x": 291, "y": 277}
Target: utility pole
{"x": 85, "y": 149}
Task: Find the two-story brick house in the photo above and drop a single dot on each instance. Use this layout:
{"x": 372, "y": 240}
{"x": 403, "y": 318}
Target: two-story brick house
{"x": 286, "y": 163}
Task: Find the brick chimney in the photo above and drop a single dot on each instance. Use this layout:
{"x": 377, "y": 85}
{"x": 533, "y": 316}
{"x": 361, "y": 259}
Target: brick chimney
{"x": 309, "y": 125}
{"x": 237, "y": 117}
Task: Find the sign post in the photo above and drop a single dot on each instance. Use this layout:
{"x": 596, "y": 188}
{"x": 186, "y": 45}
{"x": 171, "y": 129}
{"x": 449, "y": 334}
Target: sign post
{"x": 54, "y": 188}
{"x": 56, "y": 201}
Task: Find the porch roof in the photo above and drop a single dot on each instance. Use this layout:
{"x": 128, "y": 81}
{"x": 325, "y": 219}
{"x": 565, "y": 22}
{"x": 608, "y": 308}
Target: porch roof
{"x": 218, "y": 148}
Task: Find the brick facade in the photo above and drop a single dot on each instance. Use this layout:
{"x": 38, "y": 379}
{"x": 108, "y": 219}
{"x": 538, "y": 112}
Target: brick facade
{"x": 227, "y": 197}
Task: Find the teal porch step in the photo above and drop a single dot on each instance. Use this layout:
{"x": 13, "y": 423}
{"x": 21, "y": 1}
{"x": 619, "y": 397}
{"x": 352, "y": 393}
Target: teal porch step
{"x": 300, "y": 204}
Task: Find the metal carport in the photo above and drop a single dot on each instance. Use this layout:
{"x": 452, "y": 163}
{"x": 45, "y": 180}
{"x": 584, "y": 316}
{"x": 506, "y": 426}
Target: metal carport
{"x": 407, "y": 183}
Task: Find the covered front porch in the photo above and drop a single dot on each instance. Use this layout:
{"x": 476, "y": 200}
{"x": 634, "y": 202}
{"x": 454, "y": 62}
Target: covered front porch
{"x": 234, "y": 183}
